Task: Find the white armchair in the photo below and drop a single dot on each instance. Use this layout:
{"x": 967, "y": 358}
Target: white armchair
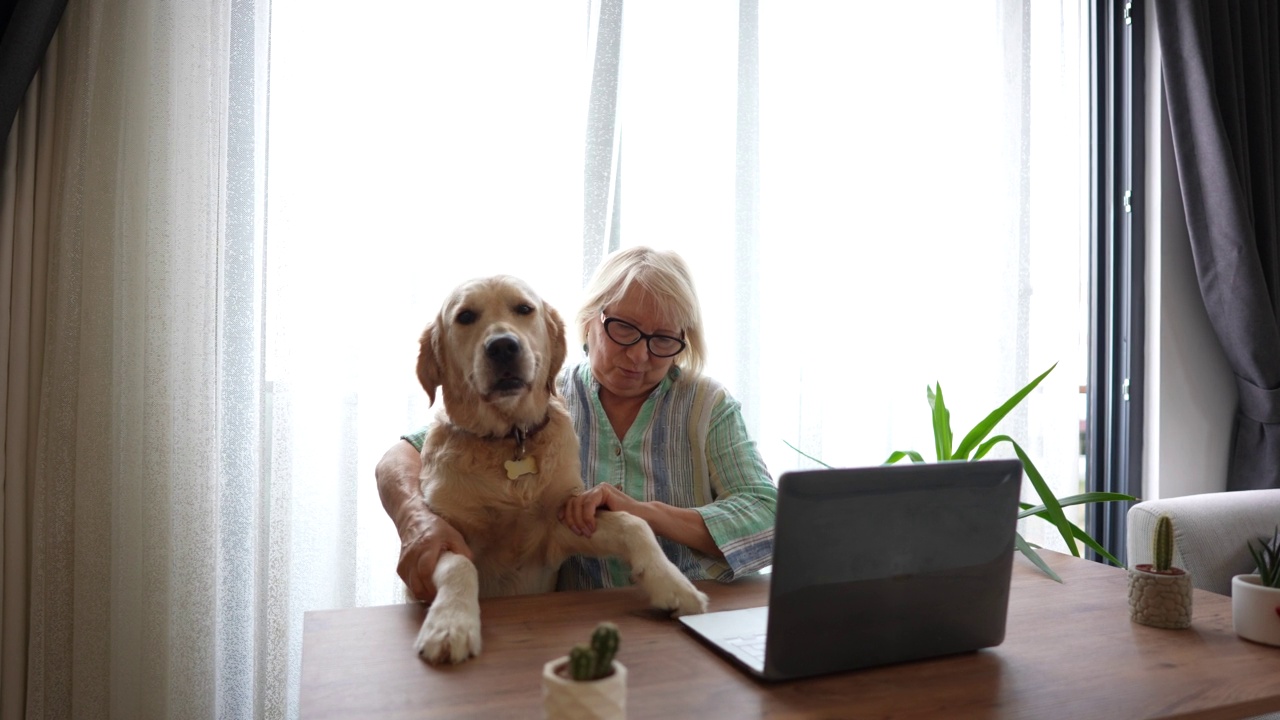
{"x": 1209, "y": 532}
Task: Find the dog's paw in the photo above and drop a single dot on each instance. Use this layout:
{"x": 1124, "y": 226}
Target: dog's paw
{"x": 450, "y": 634}
{"x": 673, "y": 591}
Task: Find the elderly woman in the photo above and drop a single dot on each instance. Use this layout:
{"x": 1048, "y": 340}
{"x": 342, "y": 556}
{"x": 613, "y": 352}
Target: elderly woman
{"x": 660, "y": 440}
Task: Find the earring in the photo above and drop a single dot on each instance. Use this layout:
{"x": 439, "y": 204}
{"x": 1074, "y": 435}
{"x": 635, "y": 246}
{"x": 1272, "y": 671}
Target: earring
{"x": 584, "y": 347}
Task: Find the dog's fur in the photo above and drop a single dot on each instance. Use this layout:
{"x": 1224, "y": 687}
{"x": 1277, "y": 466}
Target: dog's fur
{"x": 494, "y": 350}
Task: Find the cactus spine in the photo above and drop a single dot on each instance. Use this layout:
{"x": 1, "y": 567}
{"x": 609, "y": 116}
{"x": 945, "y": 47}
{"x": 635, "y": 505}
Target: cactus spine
{"x": 595, "y": 661}
{"x": 1162, "y": 548}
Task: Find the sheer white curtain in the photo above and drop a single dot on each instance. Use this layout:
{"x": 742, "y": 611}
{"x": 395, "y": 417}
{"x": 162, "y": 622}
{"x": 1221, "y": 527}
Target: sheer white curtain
{"x": 874, "y": 201}
{"x": 920, "y": 217}
{"x": 148, "y": 565}
{"x": 412, "y": 146}
{"x": 923, "y": 219}
{"x": 917, "y": 214}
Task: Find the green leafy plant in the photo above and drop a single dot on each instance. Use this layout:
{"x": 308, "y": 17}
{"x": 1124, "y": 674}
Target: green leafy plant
{"x": 594, "y": 661}
{"x": 976, "y": 444}
{"x": 1267, "y": 558}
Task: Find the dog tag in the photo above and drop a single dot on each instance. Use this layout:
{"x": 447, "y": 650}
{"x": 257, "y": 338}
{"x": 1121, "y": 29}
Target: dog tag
{"x": 516, "y": 468}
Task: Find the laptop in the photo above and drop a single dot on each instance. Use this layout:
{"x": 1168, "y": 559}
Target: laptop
{"x": 878, "y": 565}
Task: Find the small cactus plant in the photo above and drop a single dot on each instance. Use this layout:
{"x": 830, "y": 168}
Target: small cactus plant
{"x": 1162, "y": 545}
{"x": 1159, "y": 593}
{"x": 589, "y": 684}
{"x": 594, "y": 661}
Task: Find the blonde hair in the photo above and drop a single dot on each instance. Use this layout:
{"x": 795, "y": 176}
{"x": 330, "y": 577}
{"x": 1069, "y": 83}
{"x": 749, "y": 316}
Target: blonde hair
{"x": 665, "y": 276}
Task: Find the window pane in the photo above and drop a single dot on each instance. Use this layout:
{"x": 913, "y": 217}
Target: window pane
{"x": 922, "y": 215}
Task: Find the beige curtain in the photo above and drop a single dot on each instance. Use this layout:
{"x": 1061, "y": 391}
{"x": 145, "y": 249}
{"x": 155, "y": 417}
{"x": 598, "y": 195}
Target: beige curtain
{"x": 133, "y": 612}
{"x": 25, "y": 182}
{"x": 172, "y": 515}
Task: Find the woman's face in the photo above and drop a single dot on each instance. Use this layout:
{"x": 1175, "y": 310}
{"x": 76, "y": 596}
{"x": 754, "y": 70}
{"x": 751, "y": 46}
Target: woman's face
{"x": 630, "y": 371}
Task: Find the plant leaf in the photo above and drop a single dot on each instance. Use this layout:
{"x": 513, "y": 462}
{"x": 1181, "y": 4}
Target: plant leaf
{"x": 1053, "y": 508}
{"x": 976, "y": 441}
{"x": 980, "y": 431}
{"x": 1095, "y": 545}
{"x": 1083, "y": 499}
{"x": 1025, "y": 548}
{"x": 985, "y": 447}
{"x": 941, "y": 423}
{"x": 899, "y": 454}
{"x": 1076, "y": 530}
{"x": 793, "y": 447}
{"x": 1267, "y": 558}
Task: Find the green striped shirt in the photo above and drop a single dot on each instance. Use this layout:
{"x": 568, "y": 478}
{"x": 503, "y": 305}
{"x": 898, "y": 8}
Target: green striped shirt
{"x": 688, "y": 448}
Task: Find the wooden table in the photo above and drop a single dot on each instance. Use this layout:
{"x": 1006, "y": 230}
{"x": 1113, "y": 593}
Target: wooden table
{"x": 1070, "y": 651}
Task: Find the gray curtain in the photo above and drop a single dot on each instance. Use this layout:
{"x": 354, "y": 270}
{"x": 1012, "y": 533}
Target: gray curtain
{"x": 1221, "y": 66}
{"x": 26, "y": 26}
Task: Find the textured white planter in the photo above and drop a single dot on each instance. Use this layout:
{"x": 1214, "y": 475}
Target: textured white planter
{"x": 1159, "y": 599}
{"x": 1255, "y": 610}
{"x": 567, "y": 699}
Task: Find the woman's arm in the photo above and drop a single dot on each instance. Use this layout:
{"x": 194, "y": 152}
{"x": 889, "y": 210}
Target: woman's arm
{"x": 741, "y": 518}
{"x": 423, "y": 534}
{"x": 683, "y": 525}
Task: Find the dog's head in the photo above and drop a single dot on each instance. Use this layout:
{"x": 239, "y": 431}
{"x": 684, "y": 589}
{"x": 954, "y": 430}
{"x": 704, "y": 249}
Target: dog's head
{"x": 494, "y": 350}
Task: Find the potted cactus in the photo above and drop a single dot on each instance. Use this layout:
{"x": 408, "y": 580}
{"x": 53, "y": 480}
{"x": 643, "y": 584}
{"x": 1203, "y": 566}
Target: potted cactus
{"x": 1159, "y": 593}
{"x": 588, "y": 683}
{"x": 1255, "y": 598}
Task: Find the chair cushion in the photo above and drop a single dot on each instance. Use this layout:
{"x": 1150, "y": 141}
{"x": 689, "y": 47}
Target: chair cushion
{"x": 1210, "y": 532}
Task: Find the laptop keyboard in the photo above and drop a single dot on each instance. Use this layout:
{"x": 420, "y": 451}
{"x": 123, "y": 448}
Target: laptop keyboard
{"x": 752, "y": 645}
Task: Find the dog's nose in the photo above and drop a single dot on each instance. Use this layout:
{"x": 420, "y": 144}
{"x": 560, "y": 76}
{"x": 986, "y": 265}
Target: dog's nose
{"x": 502, "y": 348}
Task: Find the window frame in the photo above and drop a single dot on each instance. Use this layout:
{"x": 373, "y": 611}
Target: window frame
{"x": 1117, "y": 327}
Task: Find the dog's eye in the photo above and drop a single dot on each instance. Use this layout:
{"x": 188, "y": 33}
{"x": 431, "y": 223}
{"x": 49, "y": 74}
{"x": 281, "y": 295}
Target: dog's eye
{"x": 523, "y": 309}
{"x": 466, "y": 317}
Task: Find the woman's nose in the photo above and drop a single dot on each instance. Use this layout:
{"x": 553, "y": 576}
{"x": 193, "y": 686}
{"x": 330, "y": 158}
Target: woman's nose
{"x": 639, "y": 351}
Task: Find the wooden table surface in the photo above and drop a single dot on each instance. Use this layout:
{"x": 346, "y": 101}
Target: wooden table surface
{"x": 1070, "y": 651}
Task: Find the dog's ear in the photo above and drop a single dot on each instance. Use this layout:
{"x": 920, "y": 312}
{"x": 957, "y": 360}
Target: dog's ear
{"x": 429, "y": 372}
{"x": 555, "y": 333}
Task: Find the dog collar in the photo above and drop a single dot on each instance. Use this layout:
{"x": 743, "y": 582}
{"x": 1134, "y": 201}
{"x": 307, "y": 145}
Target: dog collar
{"x": 522, "y": 465}
{"x": 522, "y": 435}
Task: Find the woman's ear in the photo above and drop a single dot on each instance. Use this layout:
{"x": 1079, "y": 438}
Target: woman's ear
{"x": 559, "y": 348}
{"x": 429, "y": 366}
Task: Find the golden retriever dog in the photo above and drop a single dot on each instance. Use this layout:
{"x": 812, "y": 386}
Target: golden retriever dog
{"x": 501, "y": 459}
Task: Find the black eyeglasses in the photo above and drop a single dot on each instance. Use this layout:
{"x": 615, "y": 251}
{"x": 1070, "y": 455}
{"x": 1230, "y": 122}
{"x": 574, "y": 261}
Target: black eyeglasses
{"x": 626, "y": 335}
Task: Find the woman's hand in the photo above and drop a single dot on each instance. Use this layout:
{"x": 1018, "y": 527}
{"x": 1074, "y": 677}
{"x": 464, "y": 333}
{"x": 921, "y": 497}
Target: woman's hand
{"x": 424, "y": 536}
{"x": 421, "y": 551}
{"x": 683, "y": 525}
{"x": 579, "y": 512}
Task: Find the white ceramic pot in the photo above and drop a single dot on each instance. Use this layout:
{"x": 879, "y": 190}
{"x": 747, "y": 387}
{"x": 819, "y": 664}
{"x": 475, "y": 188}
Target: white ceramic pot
{"x": 566, "y": 699}
{"x": 1160, "y": 600}
{"x": 1255, "y": 610}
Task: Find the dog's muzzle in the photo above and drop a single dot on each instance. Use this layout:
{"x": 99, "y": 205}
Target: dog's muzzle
{"x": 504, "y": 355}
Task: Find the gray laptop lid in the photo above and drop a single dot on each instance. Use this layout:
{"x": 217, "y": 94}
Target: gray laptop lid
{"x": 888, "y": 564}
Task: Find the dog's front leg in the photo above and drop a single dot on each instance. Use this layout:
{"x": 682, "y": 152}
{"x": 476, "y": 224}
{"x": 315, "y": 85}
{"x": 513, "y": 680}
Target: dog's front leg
{"x": 623, "y": 535}
{"x": 451, "y": 632}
